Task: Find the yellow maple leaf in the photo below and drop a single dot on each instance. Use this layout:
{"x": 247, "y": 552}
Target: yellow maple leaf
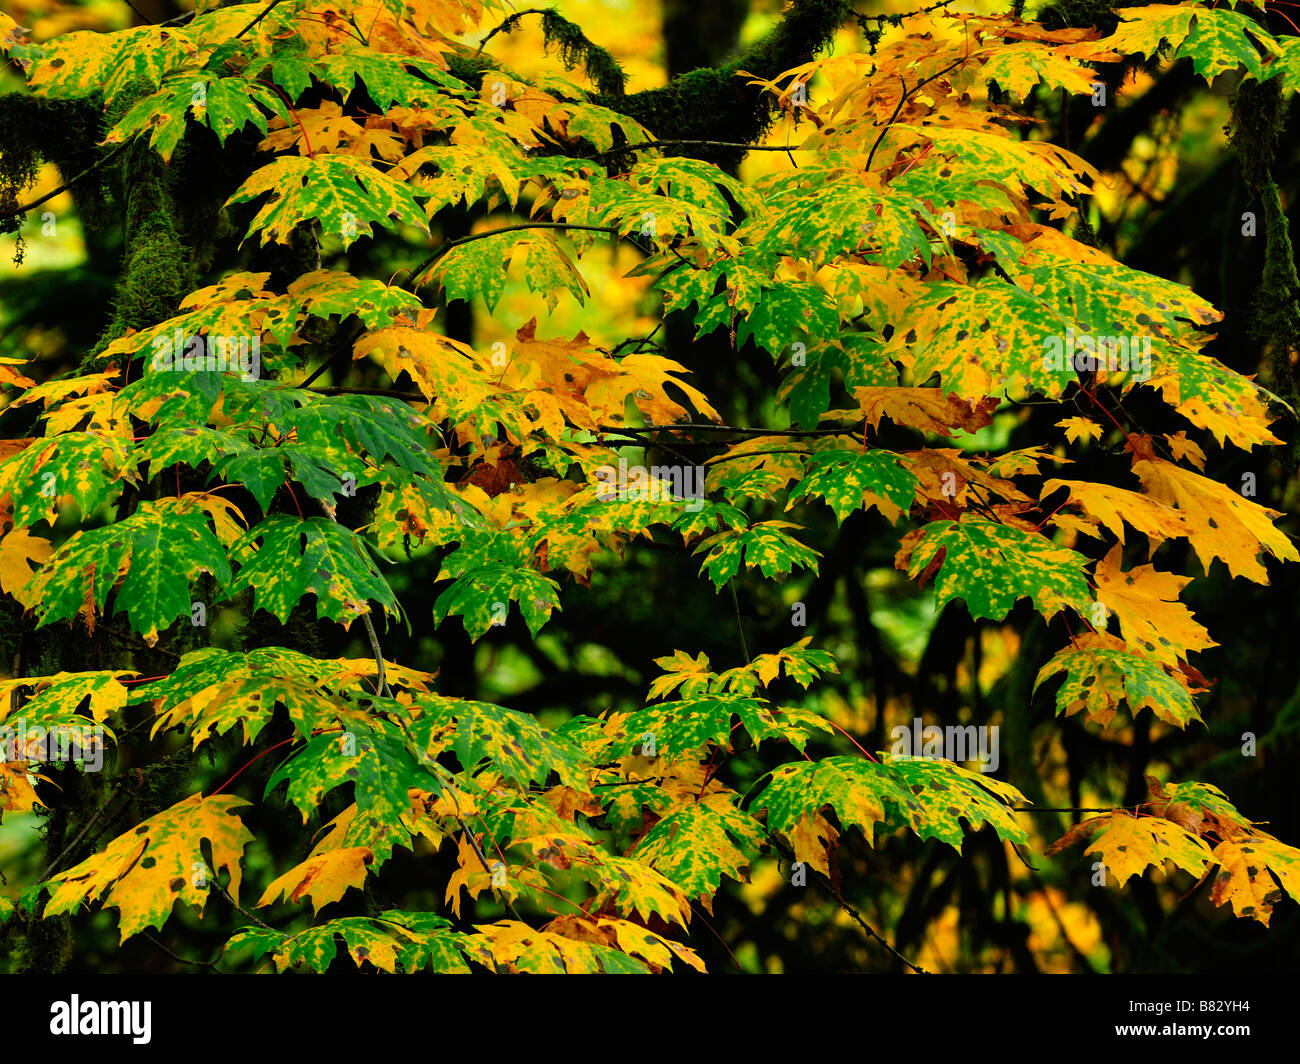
{"x": 1146, "y": 603}
{"x": 1186, "y": 450}
{"x": 1128, "y": 844}
{"x": 21, "y": 554}
{"x": 1115, "y": 507}
{"x": 1243, "y": 882}
{"x": 145, "y": 871}
{"x": 322, "y": 878}
{"x": 1079, "y": 428}
{"x": 1223, "y": 523}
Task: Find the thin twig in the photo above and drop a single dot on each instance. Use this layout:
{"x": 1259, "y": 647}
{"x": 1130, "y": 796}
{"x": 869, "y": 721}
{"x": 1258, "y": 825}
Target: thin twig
{"x": 82, "y": 833}
{"x": 239, "y": 908}
{"x": 66, "y": 185}
{"x": 265, "y": 11}
{"x": 446, "y": 247}
{"x": 184, "y": 960}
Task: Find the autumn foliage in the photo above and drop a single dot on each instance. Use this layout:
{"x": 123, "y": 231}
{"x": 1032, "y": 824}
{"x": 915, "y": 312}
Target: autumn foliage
{"x": 286, "y": 454}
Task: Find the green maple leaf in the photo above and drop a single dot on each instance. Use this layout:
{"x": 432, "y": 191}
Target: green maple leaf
{"x": 766, "y": 545}
{"x": 513, "y": 743}
{"x": 859, "y": 358}
{"x": 335, "y": 294}
{"x": 162, "y": 553}
{"x": 224, "y": 105}
{"x": 79, "y": 64}
{"x": 381, "y": 428}
{"x": 378, "y": 762}
{"x": 489, "y": 570}
{"x": 388, "y": 79}
{"x": 285, "y": 558}
{"x": 393, "y": 941}
{"x": 842, "y": 217}
{"x": 479, "y": 268}
{"x": 1112, "y": 299}
{"x": 848, "y": 479}
{"x": 1215, "y": 40}
{"x": 213, "y": 691}
{"x": 696, "y": 845}
{"x": 638, "y": 211}
{"x": 979, "y": 338}
{"x": 87, "y": 466}
{"x": 482, "y": 596}
{"x": 697, "y": 181}
{"x": 1097, "y": 678}
{"x": 862, "y": 793}
{"x": 597, "y": 124}
{"x": 991, "y": 566}
{"x": 344, "y": 194}
{"x": 688, "y": 725}
{"x": 945, "y": 793}
{"x": 788, "y": 314}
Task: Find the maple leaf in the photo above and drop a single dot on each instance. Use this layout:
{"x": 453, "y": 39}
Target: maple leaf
{"x": 515, "y": 744}
{"x": 322, "y": 879}
{"x": 1241, "y": 881}
{"x": 161, "y": 555}
{"x": 945, "y": 793}
{"x": 1150, "y": 615}
{"x": 1080, "y": 428}
{"x": 282, "y": 559}
{"x": 375, "y": 758}
{"x": 1223, "y": 523}
{"x": 87, "y": 467}
{"x": 927, "y": 409}
{"x": 861, "y": 793}
{"x": 1127, "y": 845}
{"x": 690, "y": 724}
{"x": 766, "y": 545}
{"x": 1115, "y": 507}
{"x": 393, "y": 941}
{"x": 345, "y": 195}
{"x": 990, "y": 567}
{"x": 1101, "y": 671}
{"x": 144, "y": 872}
{"x": 1216, "y": 40}
{"x": 479, "y": 267}
{"x": 18, "y": 551}
{"x": 849, "y": 481}
{"x": 212, "y": 691}
{"x": 695, "y": 846}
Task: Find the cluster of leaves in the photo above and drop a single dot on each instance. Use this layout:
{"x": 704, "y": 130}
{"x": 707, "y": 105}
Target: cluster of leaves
{"x": 907, "y": 270}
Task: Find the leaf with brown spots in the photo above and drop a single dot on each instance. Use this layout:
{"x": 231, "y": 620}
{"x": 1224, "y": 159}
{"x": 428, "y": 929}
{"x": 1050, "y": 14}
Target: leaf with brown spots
{"x": 144, "y": 872}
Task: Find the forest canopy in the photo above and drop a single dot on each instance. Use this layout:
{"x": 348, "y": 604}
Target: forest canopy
{"x": 648, "y": 487}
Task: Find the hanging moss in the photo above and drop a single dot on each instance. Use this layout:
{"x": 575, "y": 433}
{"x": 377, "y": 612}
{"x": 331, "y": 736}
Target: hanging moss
{"x": 158, "y": 271}
{"x": 718, "y": 104}
{"x": 601, "y": 67}
{"x": 66, "y": 133}
{"x": 1258, "y": 122}
{"x": 1077, "y": 14}
{"x": 703, "y": 104}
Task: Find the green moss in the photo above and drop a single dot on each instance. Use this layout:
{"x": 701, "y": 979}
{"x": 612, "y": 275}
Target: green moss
{"x": 64, "y": 132}
{"x": 1258, "y": 123}
{"x": 1076, "y": 14}
{"x": 601, "y": 68}
{"x": 158, "y": 270}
